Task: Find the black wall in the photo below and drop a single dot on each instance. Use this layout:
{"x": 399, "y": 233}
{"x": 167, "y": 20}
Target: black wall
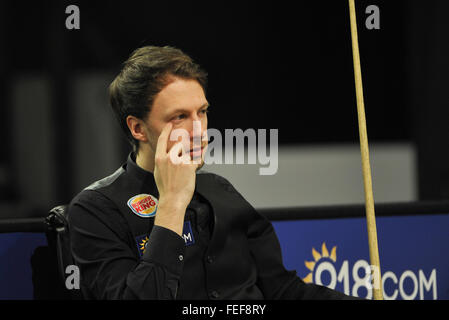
{"x": 271, "y": 65}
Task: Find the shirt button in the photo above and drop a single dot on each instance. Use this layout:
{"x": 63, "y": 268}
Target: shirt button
{"x": 210, "y": 259}
{"x": 181, "y": 257}
{"x": 214, "y": 294}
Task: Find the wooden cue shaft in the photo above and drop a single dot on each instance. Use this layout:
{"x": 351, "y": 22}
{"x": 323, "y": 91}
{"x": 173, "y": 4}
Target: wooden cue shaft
{"x": 369, "y": 202}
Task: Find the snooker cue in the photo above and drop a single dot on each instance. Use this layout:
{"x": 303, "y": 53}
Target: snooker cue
{"x": 369, "y": 202}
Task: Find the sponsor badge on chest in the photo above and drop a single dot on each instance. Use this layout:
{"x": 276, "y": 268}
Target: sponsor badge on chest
{"x": 144, "y": 205}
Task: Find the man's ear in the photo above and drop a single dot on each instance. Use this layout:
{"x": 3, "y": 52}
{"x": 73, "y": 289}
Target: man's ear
{"x": 137, "y": 128}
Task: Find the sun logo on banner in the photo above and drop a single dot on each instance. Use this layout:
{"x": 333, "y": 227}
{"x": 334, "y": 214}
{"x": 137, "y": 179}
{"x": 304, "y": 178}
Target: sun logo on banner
{"x": 317, "y": 256}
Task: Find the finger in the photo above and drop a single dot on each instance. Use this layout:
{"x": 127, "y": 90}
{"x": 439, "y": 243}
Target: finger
{"x": 185, "y": 158}
{"x": 176, "y": 153}
{"x": 161, "y": 147}
{"x": 204, "y": 136}
{"x": 182, "y": 134}
{"x": 203, "y": 154}
{"x": 200, "y": 160}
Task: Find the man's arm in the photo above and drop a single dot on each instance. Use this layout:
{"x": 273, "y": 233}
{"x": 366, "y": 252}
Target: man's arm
{"x": 273, "y": 279}
{"x": 109, "y": 267}
{"x": 174, "y": 174}
{"x": 107, "y": 263}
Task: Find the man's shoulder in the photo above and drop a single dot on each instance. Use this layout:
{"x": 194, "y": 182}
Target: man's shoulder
{"x": 94, "y": 202}
{"x": 106, "y": 181}
{"x": 204, "y": 172}
{"x": 216, "y": 178}
{"x": 94, "y": 208}
{"x": 95, "y": 192}
{"x": 221, "y": 184}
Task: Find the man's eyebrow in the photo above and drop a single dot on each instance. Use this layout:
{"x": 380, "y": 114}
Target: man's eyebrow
{"x": 206, "y": 105}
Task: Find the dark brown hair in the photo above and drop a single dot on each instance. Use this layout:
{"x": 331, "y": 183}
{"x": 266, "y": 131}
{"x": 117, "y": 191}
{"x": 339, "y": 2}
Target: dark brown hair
{"x": 146, "y": 72}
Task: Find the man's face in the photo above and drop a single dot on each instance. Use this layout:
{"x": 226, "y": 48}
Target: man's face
{"x": 181, "y": 102}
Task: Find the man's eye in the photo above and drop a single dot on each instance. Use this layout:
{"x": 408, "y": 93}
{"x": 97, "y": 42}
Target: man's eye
{"x": 205, "y": 111}
{"x": 179, "y": 117}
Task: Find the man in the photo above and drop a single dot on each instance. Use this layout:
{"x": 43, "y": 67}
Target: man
{"x": 160, "y": 229}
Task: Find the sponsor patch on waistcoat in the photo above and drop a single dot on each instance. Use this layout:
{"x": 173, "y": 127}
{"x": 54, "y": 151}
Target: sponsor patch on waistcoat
{"x": 144, "y": 205}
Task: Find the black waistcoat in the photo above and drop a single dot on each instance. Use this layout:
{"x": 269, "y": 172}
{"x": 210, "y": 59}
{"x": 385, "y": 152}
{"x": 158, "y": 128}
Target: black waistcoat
{"x": 224, "y": 267}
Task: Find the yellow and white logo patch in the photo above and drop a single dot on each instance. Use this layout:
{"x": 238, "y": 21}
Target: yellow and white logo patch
{"x": 144, "y": 205}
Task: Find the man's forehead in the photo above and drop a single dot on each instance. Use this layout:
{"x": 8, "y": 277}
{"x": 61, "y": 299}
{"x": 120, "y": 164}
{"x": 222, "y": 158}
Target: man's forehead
{"x": 181, "y": 95}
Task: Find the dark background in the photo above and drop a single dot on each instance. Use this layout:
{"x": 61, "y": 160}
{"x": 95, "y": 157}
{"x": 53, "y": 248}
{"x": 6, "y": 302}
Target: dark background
{"x": 284, "y": 65}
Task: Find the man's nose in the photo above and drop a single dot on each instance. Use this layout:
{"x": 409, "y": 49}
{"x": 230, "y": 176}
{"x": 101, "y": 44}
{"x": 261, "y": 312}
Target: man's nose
{"x": 195, "y": 128}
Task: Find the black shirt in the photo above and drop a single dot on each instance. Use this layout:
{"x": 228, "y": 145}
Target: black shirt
{"x": 227, "y": 250}
{"x": 198, "y": 213}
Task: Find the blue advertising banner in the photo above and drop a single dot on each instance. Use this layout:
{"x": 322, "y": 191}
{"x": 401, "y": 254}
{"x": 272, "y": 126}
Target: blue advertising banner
{"x": 16, "y": 250}
{"x": 413, "y": 254}
{"x": 332, "y": 252}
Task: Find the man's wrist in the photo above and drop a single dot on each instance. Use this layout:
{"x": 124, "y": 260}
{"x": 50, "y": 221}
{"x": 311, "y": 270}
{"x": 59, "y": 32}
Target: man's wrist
{"x": 170, "y": 215}
{"x": 173, "y": 204}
